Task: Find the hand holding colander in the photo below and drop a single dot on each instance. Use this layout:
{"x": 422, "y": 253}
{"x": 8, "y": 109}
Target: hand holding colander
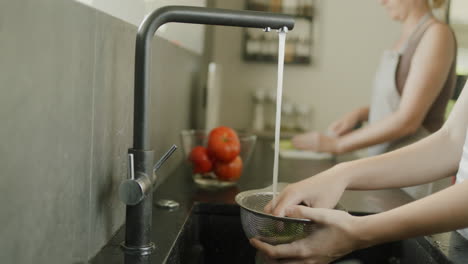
{"x": 266, "y": 227}
{"x": 335, "y": 233}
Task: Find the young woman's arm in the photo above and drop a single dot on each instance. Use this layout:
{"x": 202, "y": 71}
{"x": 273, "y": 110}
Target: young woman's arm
{"x": 432, "y": 158}
{"x": 441, "y": 212}
{"x": 349, "y": 121}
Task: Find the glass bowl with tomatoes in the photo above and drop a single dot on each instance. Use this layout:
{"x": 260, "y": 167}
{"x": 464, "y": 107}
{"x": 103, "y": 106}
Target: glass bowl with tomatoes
{"x": 217, "y": 157}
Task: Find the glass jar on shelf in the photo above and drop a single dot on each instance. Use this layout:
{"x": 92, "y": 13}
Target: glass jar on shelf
{"x": 287, "y": 117}
{"x": 253, "y": 43}
{"x": 303, "y": 48}
{"x": 270, "y": 110}
{"x": 308, "y": 8}
{"x": 271, "y": 46}
{"x": 290, "y": 7}
{"x": 275, "y": 5}
{"x": 258, "y": 117}
{"x": 258, "y": 5}
{"x": 303, "y": 117}
{"x": 290, "y": 49}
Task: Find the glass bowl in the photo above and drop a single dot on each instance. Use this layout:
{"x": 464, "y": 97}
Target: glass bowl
{"x": 193, "y": 138}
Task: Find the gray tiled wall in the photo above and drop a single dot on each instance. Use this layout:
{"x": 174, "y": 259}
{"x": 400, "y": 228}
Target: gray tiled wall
{"x": 66, "y": 100}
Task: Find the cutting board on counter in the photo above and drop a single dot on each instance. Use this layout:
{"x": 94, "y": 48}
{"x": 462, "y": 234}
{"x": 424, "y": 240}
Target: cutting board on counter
{"x": 287, "y": 151}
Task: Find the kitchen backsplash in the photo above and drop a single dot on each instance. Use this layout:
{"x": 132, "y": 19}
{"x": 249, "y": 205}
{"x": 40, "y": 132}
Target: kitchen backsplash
{"x": 66, "y": 107}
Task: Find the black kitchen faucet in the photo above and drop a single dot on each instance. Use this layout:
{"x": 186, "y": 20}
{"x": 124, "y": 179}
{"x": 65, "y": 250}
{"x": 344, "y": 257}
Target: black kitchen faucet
{"x": 136, "y": 192}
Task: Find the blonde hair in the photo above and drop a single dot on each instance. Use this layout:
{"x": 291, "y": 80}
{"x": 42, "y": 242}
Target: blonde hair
{"x": 438, "y": 3}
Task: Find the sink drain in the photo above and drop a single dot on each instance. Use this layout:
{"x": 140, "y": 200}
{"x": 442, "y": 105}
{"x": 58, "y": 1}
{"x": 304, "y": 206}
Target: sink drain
{"x": 167, "y": 204}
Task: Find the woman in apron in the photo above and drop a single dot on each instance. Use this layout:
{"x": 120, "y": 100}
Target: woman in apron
{"x": 411, "y": 89}
{"x": 437, "y": 156}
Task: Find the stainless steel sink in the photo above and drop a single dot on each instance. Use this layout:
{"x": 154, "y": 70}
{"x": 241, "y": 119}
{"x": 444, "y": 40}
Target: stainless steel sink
{"x": 213, "y": 234}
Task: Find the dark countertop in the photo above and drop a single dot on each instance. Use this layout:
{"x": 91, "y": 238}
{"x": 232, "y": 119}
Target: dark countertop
{"x": 180, "y": 187}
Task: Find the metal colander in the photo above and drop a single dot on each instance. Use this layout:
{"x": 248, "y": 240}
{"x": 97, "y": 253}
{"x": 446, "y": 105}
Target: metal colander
{"x": 266, "y": 227}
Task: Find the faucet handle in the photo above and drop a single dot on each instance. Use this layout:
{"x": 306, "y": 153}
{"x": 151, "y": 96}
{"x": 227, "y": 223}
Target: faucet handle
{"x": 133, "y": 190}
{"x": 160, "y": 162}
{"x": 165, "y": 157}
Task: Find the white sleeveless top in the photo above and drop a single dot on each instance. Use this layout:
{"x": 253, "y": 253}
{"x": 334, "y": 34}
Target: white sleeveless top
{"x": 462, "y": 175}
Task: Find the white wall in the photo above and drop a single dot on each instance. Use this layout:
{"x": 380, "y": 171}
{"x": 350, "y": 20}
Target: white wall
{"x": 188, "y": 36}
{"x": 458, "y": 11}
{"x": 459, "y": 20}
{"x": 351, "y": 37}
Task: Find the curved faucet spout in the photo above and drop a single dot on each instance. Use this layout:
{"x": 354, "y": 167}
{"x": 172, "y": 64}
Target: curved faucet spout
{"x": 191, "y": 15}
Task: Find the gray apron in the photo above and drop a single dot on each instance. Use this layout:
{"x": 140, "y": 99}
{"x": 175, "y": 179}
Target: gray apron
{"x": 386, "y": 100}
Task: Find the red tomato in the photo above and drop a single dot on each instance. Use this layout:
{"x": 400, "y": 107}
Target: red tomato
{"x": 200, "y": 160}
{"x": 228, "y": 171}
{"x": 223, "y": 144}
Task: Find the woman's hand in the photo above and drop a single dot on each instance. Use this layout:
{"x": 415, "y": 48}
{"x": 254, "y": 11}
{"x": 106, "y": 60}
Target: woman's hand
{"x": 330, "y": 142}
{"x": 323, "y": 190}
{"x": 347, "y": 123}
{"x": 316, "y": 142}
{"x": 336, "y": 236}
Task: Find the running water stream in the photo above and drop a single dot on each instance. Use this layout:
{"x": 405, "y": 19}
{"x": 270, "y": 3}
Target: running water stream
{"x": 279, "y": 94}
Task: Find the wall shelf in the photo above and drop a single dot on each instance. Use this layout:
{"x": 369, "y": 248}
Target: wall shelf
{"x": 261, "y": 47}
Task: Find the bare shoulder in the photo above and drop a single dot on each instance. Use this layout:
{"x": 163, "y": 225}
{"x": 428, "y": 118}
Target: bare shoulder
{"x": 438, "y": 42}
{"x": 440, "y": 33}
